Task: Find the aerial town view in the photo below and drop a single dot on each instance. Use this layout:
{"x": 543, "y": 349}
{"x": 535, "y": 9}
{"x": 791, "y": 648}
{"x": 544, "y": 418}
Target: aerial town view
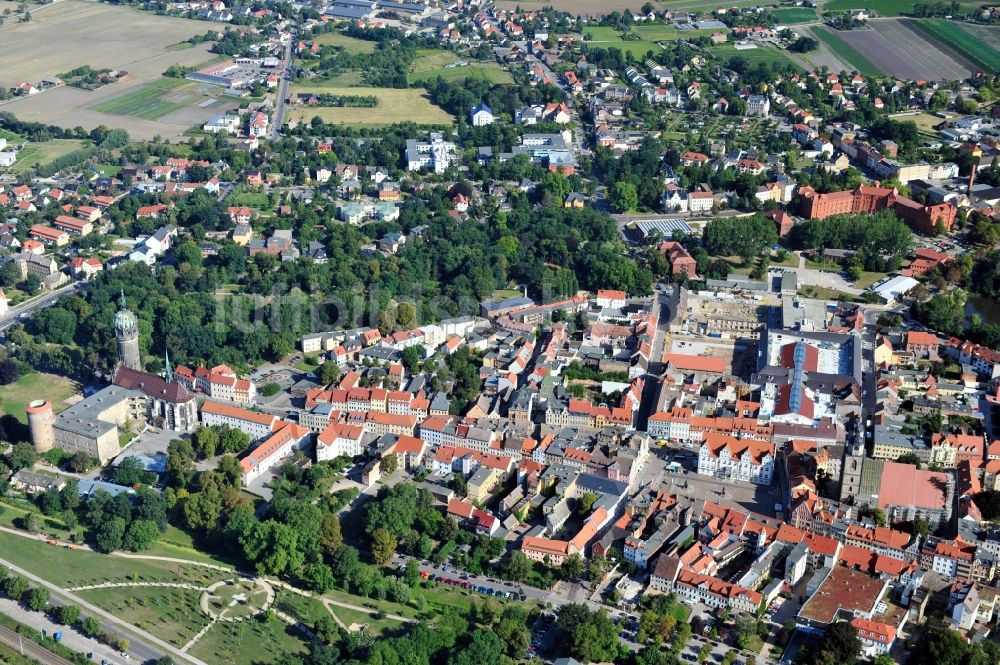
{"x": 499, "y": 332}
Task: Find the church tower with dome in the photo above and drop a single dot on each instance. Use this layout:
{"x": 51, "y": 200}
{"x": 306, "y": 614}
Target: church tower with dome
{"x": 127, "y": 334}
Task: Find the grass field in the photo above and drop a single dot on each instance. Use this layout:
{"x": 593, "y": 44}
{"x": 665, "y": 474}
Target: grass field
{"x": 432, "y": 63}
{"x": 964, "y": 42}
{"x": 11, "y": 137}
{"x": 249, "y": 642}
{"x": 15, "y": 396}
{"x": 148, "y": 102}
{"x": 794, "y": 15}
{"x": 608, "y": 37}
{"x": 867, "y": 279}
{"x": 349, "y": 44}
{"x": 70, "y": 568}
{"x": 753, "y": 56}
{"x": 167, "y": 612}
{"x": 43, "y": 153}
{"x": 394, "y": 105}
{"x": 666, "y": 33}
{"x": 846, "y": 52}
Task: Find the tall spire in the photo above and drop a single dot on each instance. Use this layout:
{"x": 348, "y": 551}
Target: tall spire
{"x": 168, "y": 373}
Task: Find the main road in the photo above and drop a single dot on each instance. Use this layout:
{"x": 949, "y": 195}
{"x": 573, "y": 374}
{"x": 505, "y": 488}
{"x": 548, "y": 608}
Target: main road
{"x": 281, "y": 96}
{"x": 38, "y": 302}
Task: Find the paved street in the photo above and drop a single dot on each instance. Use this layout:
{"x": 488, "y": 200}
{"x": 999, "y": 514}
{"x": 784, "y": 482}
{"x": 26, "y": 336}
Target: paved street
{"x": 39, "y": 302}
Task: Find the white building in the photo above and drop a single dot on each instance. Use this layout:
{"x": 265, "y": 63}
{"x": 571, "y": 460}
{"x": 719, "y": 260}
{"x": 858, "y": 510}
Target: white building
{"x": 339, "y": 439}
{"x": 729, "y": 458}
{"x": 481, "y": 115}
{"x": 227, "y": 123}
{"x": 273, "y": 451}
{"x": 253, "y": 424}
{"x": 436, "y": 153}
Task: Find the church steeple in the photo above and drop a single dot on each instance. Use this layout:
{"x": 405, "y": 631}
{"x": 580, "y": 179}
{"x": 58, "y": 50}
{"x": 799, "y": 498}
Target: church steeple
{"x": 168, "y": 372}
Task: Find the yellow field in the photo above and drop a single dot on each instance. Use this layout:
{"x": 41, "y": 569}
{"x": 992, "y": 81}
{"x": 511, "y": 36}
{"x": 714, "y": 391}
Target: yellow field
{"x": 395, "y": 105}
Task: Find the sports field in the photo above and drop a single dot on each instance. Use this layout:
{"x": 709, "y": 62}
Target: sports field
{"x": 846, "y": 52}
{"x": 666, "y": 33}
{"x": 394, "y": 105}
{"x": 151, "y": 101}
{"x": 968, "y": 45}
{"x": 432, "y": 63}
{"x": 71, "y": 33}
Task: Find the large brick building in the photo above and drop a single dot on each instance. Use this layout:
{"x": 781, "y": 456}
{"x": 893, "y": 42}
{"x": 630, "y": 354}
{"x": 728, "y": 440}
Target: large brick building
{"x": 921, "y": 218}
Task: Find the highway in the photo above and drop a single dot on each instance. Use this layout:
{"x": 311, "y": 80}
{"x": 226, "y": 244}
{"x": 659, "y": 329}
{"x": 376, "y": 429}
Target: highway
{"x": 27, "y": 647}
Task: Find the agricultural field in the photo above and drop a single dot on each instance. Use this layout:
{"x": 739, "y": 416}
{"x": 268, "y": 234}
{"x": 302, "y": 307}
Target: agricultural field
{"x": 394, "y": 105}
{"x": 432, "y": 63}
{"x": 897, "y": 48}
{"x": 954, "y": 36}
{"x": 795, "y": 15}
{"x": 987, "y": 33}
{"x": 151, "y": 101}
{"x": 37, "y": 385}
{"x": 845, "y": 52}
{"x": 102, "y": 36}
{"x": 349, "y": 44}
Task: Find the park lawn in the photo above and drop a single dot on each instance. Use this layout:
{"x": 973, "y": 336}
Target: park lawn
{"x": 43, "y": 153}
{"x": 608, "y": 37}
{"x": 250, "y": 642}
{"x": 502, "y": 294}
{"x": 395, "y": 105}
{"x": 178, "y": 544}
{"x": 602, "y": 33}
{"x": 847, "y": 52}
{"x": 148, "y": 102}
{"x": 766, "y": 54}
{"x": 867, "y": 279}
{"x": 73, "y": 568}
{"x": 169, "y": 613}
{"x": 373, "y": 627}
{"x": 15, "y": 397}
{"x": 349, "y": 44}
{"x": 305, "y": 608}
{"x": 12, "y": 512}
{"x": 795, "y": 15}
{"x": 964, "y": 42}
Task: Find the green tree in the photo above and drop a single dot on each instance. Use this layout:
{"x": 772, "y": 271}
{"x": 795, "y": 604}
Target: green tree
{"x": 484, "y": 647}
{"x": 206, "y": 441}
{"x": 517, "y": 567}
{"x": 572, "y": 566}
{"x": 67, "y": 615}
{"x": 15, "y": 586}
{"x": 38, "y": 599}
{"x": 624, "y": 196}
{"x": 909, "y": 458}
{"x": 111, "y": 534}
{"x": 91, "y": 626}
{"x": 589, "y": 636}
{"x": 332, "y": 538}
{"x": 388, "y": 465}
{"x": 328, "y": 373}
{"x": 383, "y": 546}
{"x": 140, "y": 535}
{"x": 22, "y": 456}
